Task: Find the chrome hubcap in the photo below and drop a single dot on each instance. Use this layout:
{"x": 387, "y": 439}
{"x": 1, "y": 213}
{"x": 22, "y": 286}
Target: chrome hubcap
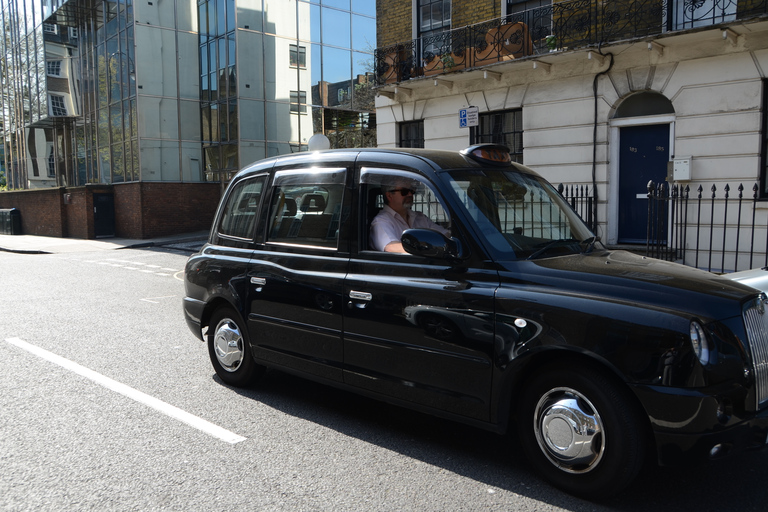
{"x": 569, "y": 430}
{"x": 228, "y": 345}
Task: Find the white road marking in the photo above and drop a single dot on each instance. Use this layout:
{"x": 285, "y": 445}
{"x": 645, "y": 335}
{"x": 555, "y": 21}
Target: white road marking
{"x": 134, "y": 265}
{"x": 151, "y": 299}
{"x": 127, "y": 391}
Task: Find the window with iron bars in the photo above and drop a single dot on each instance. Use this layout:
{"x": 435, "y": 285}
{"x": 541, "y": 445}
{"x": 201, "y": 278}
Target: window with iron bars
{"x": 411, "y": 134}
{"x": 504, "y": 127}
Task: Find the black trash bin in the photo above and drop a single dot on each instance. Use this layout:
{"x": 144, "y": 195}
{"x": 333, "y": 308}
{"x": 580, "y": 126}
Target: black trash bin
{"x": 10, "y": 221}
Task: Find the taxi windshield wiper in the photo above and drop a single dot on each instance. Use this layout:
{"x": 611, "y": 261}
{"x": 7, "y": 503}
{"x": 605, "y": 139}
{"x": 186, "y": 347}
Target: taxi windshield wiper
{"x": 589, "y": 243}
{"x": 562, "y": 242}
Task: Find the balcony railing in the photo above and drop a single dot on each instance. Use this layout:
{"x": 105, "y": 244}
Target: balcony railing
{"x": 560, "y": 26}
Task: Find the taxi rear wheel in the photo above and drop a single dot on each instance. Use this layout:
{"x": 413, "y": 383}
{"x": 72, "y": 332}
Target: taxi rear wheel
{"x": 581, "y": 431}
{"x": 230, "y": 350}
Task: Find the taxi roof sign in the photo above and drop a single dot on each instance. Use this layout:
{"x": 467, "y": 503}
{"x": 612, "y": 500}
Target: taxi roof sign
{"x": 489, "y": 153}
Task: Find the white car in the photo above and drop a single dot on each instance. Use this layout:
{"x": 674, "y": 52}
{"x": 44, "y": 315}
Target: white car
{"x": 756, "y": 278}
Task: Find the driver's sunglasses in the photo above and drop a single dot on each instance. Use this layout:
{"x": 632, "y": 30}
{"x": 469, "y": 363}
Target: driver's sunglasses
{"x": 404, "y": 191}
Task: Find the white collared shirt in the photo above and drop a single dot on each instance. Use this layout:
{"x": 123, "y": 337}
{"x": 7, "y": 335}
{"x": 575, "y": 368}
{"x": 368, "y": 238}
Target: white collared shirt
{"x": 388, "y": 226}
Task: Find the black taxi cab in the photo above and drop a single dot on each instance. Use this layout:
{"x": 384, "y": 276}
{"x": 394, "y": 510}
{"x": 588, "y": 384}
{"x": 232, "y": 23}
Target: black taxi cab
{"x": 508, "y": 314}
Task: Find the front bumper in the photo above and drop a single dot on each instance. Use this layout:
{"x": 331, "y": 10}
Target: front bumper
{"x": 676, "y": 449}
{"x": 688, "y": 428}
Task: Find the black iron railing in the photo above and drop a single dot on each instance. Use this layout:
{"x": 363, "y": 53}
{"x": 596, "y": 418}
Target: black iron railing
{"x": 709, "y": 228}
{"x": 582, "y": 201}
{"x": 715, "y": 228}
{"x": 559, "y": 26}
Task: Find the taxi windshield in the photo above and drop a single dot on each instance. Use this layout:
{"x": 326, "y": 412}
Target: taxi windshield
{"x": 519, "y": 214}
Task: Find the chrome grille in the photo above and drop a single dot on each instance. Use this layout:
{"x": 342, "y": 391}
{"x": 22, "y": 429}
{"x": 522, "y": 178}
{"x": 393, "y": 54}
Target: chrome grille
{"x": 756, "y": 323}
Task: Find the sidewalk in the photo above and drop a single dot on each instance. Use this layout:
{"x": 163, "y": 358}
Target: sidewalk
{"x": 32, "y": 244}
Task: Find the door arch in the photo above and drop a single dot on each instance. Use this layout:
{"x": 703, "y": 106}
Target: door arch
{"x": 642, "y": 143}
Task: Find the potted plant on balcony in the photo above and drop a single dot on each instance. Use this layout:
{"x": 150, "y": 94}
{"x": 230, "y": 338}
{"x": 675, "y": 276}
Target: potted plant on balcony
{"x": 443, "y": 63}
{"x": 551, "y": 42}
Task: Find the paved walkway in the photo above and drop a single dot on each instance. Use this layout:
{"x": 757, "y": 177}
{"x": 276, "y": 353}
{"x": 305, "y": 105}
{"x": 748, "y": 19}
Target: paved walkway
{"x": 32, "y": 244}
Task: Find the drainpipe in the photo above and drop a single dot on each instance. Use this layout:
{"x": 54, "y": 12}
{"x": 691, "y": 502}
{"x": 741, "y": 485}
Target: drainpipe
{"x": 594, "y": 135}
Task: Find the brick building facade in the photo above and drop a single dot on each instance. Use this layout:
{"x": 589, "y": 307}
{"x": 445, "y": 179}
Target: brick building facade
{"x": 140, "y": 210}
{"x": 396, "y": 25}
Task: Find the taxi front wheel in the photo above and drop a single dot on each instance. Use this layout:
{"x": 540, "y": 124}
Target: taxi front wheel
{"x": 581, "y": 431}
{"x": 229, "y": 349}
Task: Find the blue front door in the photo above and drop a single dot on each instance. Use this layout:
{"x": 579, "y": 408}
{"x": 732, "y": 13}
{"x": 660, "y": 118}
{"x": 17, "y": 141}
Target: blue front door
{"x": 643, "y": 157}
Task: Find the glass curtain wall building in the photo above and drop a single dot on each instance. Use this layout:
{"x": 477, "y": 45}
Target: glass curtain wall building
{"x": 116, "y": 92}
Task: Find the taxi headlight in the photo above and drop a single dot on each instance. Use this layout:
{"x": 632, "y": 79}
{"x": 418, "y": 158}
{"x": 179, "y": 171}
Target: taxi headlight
{"x": 700, "y": 342}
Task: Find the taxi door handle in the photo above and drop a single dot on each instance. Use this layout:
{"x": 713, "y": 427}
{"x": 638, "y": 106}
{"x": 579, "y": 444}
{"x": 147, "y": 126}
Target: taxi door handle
{"x": 363, "y": 297}
{"x": 360, "y": 295}
{"x": 261, "y": 281}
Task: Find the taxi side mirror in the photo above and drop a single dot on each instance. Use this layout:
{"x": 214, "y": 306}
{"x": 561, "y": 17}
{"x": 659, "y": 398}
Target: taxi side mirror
{"x": 431, "y": 244}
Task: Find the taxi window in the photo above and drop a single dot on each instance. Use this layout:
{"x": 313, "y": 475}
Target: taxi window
{"x": 306, "y": 207}
{"x": 519, "y": 214}
{"x": 239, "y": 216}
{"x": 425, "y": 199}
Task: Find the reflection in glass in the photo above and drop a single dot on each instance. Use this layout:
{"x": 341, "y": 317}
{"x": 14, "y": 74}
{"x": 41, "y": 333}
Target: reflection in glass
{"x": 105, "y": 165}
{"x": 315, "y": 66}
{"x": 204, "y": 68}
{"x": 214, "y": 120}
{"x": 118, "y": 164}
{"x": 233, "y": 135}
{"x": 128, "y": 159}
{"x": 252, "y": 120}
{"x": 230, "y": 26}
{"x": 212, "y": 159}
{"x": 341, "y": 4}
{"x": 314, "y": 24}
{"x": 230, "y": 156}
{"x": 363, "y": 33}
{"x": 221, "y": 16}
{"x": 362, "y": 70}
{"x": 232, "y": 81}
{"x": 336, "y": 28}
{"x": 337, "y": 64}
{"x": 205, "y": 93}
{"x": 202, "y": 14}
{"x": 280, "y": 17}
{"x": 103, "y": 127}
{"x": 116, "y": 122}
{"x": 127, "y": 120}
{"x": 135, "y": 159}
{"x": 364, "y": 7}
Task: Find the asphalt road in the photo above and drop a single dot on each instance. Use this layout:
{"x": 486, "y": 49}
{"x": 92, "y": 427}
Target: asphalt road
{"x": 108, "y": 402}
